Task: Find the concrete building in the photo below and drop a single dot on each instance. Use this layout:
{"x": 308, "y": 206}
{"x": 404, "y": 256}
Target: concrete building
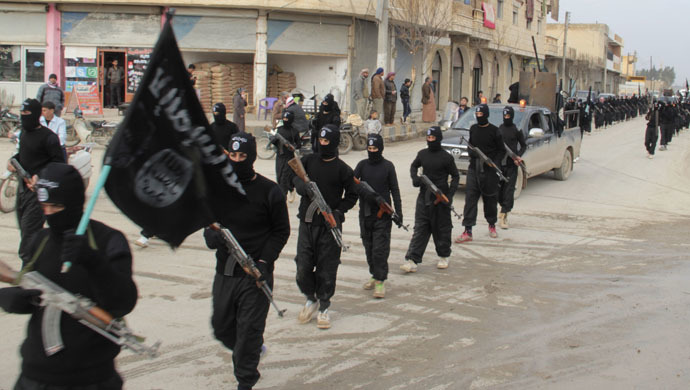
{"x": 593, "y": 58}
{"x": 324, "y": 43}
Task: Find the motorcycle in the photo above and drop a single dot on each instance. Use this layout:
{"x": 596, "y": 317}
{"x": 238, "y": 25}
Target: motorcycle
{"x": 77, "y": 156}
{"x": 266, "y": 150}
{"x": 99, "y": 132}
{"x": 10, "y": 123}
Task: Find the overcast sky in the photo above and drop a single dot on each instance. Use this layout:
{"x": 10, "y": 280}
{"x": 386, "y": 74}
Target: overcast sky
{"x": 657, "y": 28}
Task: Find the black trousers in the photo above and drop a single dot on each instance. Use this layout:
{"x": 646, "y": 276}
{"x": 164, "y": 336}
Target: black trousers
{"x": 376, "y": 237}
{"x": 485, "y": 185}
{"x": 430, "y": 221}
{"x": 112, "y": 383}
{"x": 318, "y": 258}
{"x": 115, "y": 94}
{"x": 239, "y": 320}
{"x": 506, "y": 190}
{"x": 30, "y": 218}
{"x": 406, "y": 108}
{"x": 651, "y": 135}
{"x": 283, "y": 174}
{"x": 666, "y": 134}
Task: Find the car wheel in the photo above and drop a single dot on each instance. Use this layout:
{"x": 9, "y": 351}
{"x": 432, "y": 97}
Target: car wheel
{"x": 563, "y": 172}
{"x": 264, "y": 149}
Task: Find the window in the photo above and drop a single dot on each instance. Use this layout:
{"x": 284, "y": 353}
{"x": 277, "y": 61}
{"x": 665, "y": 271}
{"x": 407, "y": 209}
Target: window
{"x": 529, "y": 24}
{"x": 35, "y": 65}
{"x": 515, "y": 17}
{"x": 538, "y": 26}
{"x": 499, "y": 9}
{"x": 10, "y": 63}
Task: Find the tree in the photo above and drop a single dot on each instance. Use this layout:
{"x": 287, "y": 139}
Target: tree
{"x": 667, "y": 74}
{"x": 420, "y": 24}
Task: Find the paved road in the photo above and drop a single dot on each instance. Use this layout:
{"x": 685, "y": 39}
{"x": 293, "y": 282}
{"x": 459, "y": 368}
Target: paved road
{"x": 586, "y": 290}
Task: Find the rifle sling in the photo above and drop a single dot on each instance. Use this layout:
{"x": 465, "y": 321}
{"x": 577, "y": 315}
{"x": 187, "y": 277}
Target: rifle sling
{"x": 30, "y": 265}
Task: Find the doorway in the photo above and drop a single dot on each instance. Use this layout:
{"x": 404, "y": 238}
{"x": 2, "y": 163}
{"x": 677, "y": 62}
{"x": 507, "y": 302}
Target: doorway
{"x": 106, "y": 57}
{"x": 477, "y": 77}
{"x": 436, "y": 77}
{"x": 458, "y": 69}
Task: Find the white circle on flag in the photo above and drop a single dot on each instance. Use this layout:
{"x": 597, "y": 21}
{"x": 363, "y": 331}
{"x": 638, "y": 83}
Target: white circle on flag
{"x": 371, "y": 142}
{"x": 323, "y": 133}
{"x": 42, "y": 194}
{"x": 236, "y": 145}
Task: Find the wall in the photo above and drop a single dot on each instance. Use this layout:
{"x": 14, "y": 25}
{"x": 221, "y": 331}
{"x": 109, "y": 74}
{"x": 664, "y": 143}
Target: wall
{"x": 404, "y": 61}
{"x": 314, "y": 71}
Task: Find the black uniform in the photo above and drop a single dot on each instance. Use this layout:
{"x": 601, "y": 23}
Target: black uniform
{"x": 101, "y": 271}
{"x": 283, "y": 155}
{"x": 511, "y": 137}
{"x": 329, "y": 114}
{"x": 482, "y": 179}
{"x": 666, "y": 118}
{"x": 651, "y": 135}
{"x": 38, "y": 146}
{"x": 222, "y": 127}
{"x": 380, "y": 174}
{"x": 261, "y": 225}
{"x": 429, "y": 219}
{"x": 318, "y": 255}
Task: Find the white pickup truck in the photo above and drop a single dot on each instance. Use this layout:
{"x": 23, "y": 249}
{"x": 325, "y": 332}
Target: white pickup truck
{"x": 546, "y": 151}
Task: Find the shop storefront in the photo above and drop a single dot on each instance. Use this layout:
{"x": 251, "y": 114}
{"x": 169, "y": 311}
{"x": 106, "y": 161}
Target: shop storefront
{"x": 94, "y": 37}
{"x": 22, "y": 50}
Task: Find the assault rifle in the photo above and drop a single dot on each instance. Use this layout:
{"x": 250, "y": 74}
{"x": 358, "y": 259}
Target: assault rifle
{"x": 515, "y": 157}
{"x": 384, "y": 207}
{"x": 440, "y": 196}
{"x": 486, "y": 160}
{"x": 283, "y": 142}
{"x": 20, "y": 170}
{"x": 56, "y": 300}
{"x": 247, "y": 263}
{"x": 317, "y": 200}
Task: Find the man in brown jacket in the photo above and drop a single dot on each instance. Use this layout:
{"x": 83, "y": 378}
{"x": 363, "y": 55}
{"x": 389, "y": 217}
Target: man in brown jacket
{"x": 378, "y": 91}
{"x": 278, "y": 107}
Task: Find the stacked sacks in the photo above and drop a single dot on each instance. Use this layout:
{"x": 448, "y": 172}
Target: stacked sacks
{"x": 221, "y": 88}
{"x": 281, "y": 82}
{"x": 203, "y": 84}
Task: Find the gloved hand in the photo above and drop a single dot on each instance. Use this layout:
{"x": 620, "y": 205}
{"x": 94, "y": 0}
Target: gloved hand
{"x": 300, "y": 186}
{"x": 339, "y": 216}
{"x": 262, "y": 266}
{"x": 18, "y": 300}
{"x": 214, "y": 239}
{"x": 76, "y": 248}
{"x": 416, "y": 181}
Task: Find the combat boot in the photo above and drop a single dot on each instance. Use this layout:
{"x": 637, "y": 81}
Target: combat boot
{"x": 379, "y": 289}
{"x": 503, "y": 220}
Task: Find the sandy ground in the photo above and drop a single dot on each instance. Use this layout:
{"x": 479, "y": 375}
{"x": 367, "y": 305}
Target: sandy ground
{"x": 588, "y": 289}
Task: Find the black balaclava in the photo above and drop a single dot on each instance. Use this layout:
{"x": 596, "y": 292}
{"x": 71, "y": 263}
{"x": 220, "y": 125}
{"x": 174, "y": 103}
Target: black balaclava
{"x": 244, "y": 143}
{"x": 484, "y": 119}
{"x": 331, "y": 133}
{"x": 288, "y": 118}
{"x": 327, "y": 103}
{"x": 31, "y": 121}
{"x": 219, "y": 113}
{"x": 60, "y": 183}
{"x": 375, "y": 140}
{"x": 508, "y": 110}
{"x": 436, "y": 132}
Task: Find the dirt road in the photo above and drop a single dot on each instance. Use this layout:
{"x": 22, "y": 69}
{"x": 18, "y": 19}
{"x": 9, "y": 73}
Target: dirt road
{"x": 588, "y": 289}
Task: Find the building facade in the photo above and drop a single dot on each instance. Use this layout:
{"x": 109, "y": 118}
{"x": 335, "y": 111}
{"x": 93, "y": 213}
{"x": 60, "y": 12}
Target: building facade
{"x": 593, "y": 58}
{"x": 323, "y": 43}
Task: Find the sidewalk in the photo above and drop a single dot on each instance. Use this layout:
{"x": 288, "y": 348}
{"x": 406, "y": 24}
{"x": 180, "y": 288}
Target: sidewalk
{"x": 397, "y": 132}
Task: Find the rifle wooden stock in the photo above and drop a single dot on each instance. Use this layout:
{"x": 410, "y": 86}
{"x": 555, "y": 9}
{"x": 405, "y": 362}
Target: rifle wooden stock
{"x": 297, "y": 166}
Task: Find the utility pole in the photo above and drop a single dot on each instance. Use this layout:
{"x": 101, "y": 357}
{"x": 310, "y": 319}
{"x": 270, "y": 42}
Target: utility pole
{"x": 383, "y": 35}
{"x": 606, "y": 57}
{"x": 565, "y": 45}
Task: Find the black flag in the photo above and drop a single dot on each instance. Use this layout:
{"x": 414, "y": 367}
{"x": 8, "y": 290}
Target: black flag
{"x": 168, "y": 175}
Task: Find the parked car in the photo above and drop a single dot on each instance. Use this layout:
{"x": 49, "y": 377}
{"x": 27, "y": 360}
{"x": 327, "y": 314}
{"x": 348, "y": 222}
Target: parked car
{"x": 546, "y": 150}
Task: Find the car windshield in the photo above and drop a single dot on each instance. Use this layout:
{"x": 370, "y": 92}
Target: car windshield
{"x": 495, "y": 117}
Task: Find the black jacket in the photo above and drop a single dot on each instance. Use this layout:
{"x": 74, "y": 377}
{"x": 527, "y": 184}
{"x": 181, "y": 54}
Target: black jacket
{"x": 37, "y": 148}
{"x": 489, "y": 140}
{"x": 382, "y": 178}
{"x": 87, "y": 357}
{"x": 437, "y": 166}
{"x": 224, "y": 132}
